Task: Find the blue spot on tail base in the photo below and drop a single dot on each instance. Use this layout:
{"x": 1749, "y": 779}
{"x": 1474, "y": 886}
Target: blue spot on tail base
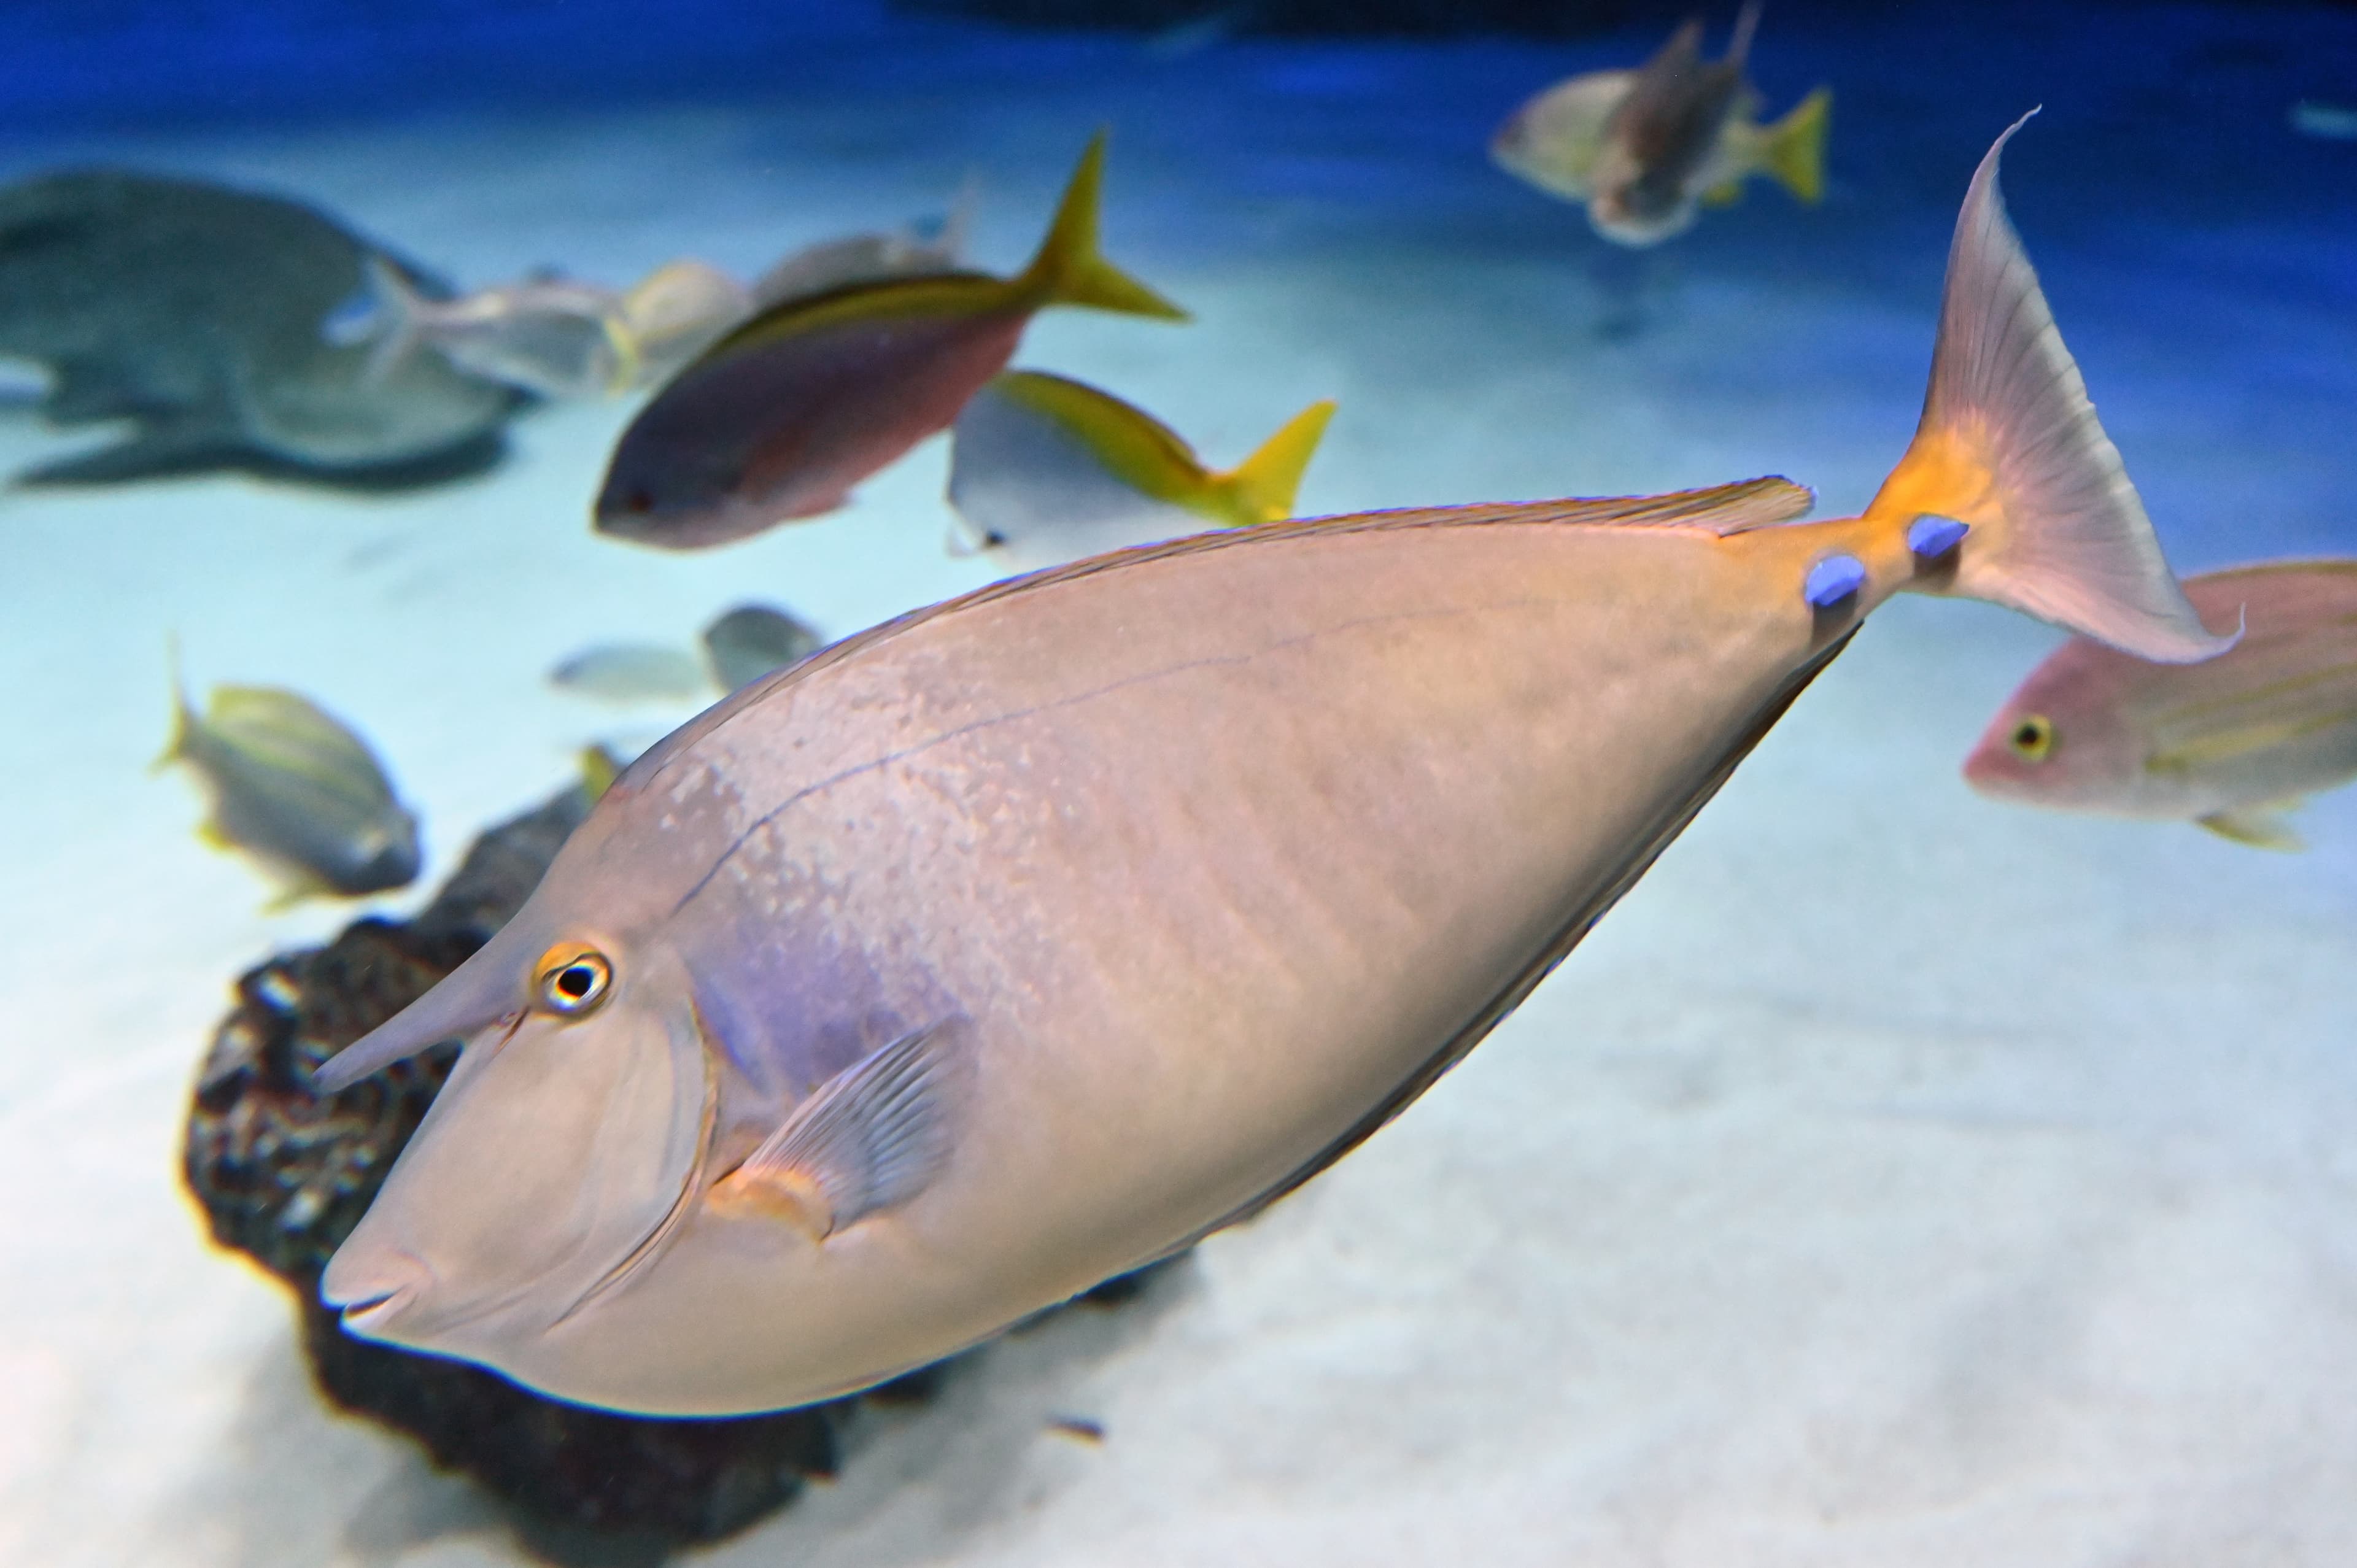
{"x": 1831, "y": 580}
{"x": 1932, "y": 536}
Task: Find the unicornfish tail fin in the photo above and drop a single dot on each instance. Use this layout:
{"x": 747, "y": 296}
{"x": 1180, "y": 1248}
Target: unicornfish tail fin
{"x": 1792, "y": 150}
{"x": 1069, "y": 269}
{"x": 1264, "y": 483}
{"x": 2010, "y": 487}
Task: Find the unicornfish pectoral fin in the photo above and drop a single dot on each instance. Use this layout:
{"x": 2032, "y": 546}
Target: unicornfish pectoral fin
{"x": 871, "y": 1137}
{"x": 472, "y": 997}
{"x": 2009, "y": 445}
{"x": 2261, "y": 827}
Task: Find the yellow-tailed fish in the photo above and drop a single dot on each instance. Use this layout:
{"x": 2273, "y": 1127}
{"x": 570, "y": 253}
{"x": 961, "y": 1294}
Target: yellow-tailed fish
{"x": 1641, "y": 149}
{"x": 550, "y": 335}
{"x": 2231, "y": 744}
{"x": 781, "y": 417}
{"x": 1044, "y": 469}
{"x": 1026, "y": 938}
{"x": 295, "y": 791}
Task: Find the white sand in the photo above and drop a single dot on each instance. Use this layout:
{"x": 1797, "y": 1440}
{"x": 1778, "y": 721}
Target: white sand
{"x": 1896, "y": 1177}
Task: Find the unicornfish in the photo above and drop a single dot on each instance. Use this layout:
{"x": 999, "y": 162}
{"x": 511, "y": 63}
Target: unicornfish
{"x": 1033, "y": 936}
{"x": 1044, "y": 469}
{"x": 780, "y": 417}
{"x": 2232, "y": 744}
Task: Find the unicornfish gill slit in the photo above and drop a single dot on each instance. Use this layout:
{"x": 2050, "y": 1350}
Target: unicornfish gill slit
{"x": 983, "y": 954}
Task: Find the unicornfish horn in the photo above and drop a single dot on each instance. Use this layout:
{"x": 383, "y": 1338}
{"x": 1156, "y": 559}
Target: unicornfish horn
{"x": 477, "y": 993}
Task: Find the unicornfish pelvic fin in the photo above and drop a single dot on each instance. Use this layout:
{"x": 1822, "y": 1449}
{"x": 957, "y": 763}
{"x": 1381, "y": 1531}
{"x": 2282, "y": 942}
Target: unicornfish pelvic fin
{"x": 870, "y": 1137}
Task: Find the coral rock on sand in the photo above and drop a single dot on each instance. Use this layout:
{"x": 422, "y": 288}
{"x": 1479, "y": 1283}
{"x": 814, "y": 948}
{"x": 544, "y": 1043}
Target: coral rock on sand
{"x": 284, "y": 1175}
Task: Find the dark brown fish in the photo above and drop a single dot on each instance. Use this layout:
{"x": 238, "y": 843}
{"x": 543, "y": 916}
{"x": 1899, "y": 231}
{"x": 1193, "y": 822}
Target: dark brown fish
{"x": 781, "y": 417}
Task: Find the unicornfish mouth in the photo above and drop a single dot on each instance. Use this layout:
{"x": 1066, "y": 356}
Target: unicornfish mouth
{"x": 374, "y": 1312}
{"x": 371, "y": 1303}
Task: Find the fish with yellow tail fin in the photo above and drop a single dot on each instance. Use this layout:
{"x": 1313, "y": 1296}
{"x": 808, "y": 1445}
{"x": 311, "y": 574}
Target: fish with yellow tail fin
{"x": 1044, "y": 469}
{"x": 1642, "y": 149}
{"x": 2231, "y": 744}
{"x": 293, "y": 790}
{"x": 784, "y": 414}
{"x": 1026, "y": 938}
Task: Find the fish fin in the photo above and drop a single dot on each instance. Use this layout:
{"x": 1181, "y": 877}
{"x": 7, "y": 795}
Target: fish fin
{"x": 600, "y": 769}
{"x": 1747, "y": 23}
{"x": 2261, "y": 827}
{"x": 1792, "y": 150}
{"x": 1727, "y": 193}
{"x": 871, "y": 1136}
{"x": 1070, "y": 270}
{"x": 181, "y": 442}
{"x": 2010, "y": 446}
{"x": 624, "y": 342}
{"x": 949, "y": 242}
{"x": 291, "y": 894}
{"x": 1265, "y": 482}
{"x": 185, "y": 720}
{"x": 396, "y": 335}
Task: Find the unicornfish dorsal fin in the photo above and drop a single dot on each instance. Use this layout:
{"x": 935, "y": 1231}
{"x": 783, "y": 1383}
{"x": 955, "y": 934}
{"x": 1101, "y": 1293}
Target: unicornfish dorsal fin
{"x": 2010, "y": 444}
{"x": 870, "y": 1137}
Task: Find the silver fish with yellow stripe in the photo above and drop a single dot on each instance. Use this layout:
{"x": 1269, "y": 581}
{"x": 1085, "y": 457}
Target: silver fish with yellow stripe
{"x": 1044, "y": 469}
{"x": 1030, "y": 937}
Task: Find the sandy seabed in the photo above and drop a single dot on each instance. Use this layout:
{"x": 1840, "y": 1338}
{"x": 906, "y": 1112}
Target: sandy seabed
{"x": 1895, "y": 1177}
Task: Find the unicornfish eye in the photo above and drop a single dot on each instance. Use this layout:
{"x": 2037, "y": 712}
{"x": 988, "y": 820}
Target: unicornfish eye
{"x": 2032, "y": 738}
{"x": 574, "y": 980}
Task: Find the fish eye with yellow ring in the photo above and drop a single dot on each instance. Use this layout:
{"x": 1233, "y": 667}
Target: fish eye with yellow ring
{"x": 573, "y": 978}
{"x": 2032, "y": 738}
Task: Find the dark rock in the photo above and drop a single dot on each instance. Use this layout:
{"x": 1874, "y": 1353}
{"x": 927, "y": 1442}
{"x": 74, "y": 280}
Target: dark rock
{"x": 283, "y": 1176}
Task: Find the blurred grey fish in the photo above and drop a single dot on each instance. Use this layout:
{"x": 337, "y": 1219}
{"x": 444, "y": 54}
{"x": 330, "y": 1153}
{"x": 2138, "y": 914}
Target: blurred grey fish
{"x": 553, "y": 336}
{"x": 676, "y": 311}
{"x": 294, "y": 790}
{"x": 194, "y": 311}
{"x": 631, "y": 672}
{"x": 750, "y": 640}
{"x": 2325, "y": 121}
{"x": 918, "y": 250}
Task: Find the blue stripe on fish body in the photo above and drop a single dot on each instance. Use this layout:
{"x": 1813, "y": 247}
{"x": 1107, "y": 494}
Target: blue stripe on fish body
{"x": 1831, "y": 580}
{"x": 1932, "y": 536}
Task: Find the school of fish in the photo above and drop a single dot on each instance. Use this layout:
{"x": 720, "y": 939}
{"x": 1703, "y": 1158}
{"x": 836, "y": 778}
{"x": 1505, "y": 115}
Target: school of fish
{"x": 930, "y": 976}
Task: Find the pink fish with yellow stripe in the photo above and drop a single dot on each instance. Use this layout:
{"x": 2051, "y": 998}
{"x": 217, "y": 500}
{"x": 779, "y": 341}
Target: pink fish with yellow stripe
{"x": 780, "y": 417}
{"x": 2233, "y": 744}
{"x": 1032, "y": 937}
